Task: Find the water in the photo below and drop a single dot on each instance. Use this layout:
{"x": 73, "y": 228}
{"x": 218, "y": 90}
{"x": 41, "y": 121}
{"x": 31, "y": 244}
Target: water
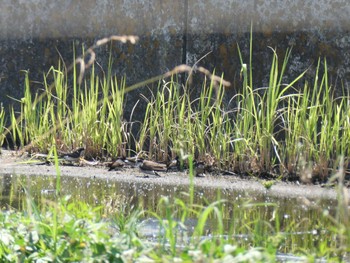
{"x": 145, "y": 195}
{"x": 244, "y": 214}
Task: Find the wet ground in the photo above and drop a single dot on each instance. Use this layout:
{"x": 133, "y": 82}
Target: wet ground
{"x": 11, "y": 163}
{"x": 299, "y": 209}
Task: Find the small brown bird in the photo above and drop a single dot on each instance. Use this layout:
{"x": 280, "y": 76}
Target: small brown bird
{"x": 200, "y": 169}
{"x": 133, "y": 162}
{"x": 173, "y": 165}
{"x": 74, "y": 156}
{"x": 116, "y": 165}
{"x": 151, "y": 168}
{"x": 132, "y": 159}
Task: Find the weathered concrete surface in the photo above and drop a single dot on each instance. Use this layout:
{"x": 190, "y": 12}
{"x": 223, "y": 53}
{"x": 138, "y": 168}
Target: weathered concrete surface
{"x": 171, "y": 33}
{"x": 33, "y": 32}
{"x": 23, "y": 19}
{"x": 313, "y": 29}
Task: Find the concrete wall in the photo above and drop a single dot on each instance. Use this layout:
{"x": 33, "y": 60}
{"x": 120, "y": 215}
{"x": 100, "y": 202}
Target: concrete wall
{"x": 27, "y": 19}
{"x": 171, "y": 33}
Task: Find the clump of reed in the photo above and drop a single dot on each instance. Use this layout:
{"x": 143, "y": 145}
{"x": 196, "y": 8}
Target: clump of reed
{"x": 277, "y": 130}
{"x": 84, "y": 113}
{"x": 289, "y": 130}
{"x": 92, "y": 116}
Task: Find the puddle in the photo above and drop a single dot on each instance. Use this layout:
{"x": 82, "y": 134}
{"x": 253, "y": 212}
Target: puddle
{"x": 243, "y": 211}
{"x": 106, "y": 192}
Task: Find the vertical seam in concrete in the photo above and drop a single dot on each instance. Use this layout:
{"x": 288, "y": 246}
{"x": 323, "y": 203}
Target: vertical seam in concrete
{"x": 184, "y": 36}
{"x": 184, "y": 40}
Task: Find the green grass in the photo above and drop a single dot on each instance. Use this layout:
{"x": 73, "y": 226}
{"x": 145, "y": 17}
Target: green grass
{"x": 2, "y": 125}
{"x": 287, "y": 130}
{"x": 296, "y": 129}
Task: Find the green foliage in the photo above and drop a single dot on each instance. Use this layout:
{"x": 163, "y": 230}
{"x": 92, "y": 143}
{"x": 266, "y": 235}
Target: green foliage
{"x": 57, "y": 119}
{"x": 237, "y": 230}
{"x": 80, "y": 236}
{"x": 279, "y": 130}
{"x": 2, "y": 125}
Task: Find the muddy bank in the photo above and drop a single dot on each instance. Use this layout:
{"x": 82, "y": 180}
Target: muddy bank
{"x": 10, "y": 163}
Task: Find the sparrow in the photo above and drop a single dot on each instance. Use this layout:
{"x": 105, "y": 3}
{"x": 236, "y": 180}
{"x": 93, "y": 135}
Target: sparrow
{"x": 74, "y": 156}
{"x": 116, "y": 165}
{"x": 133, "y": 161}
{"x": 151, "y": 168}
{"x": 173, "y": 165}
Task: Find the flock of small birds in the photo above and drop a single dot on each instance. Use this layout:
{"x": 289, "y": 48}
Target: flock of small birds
{"x": 147, "y": 167}
{"x": 151, "y": 168}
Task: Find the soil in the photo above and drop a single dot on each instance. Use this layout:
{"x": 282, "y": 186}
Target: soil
{"x": 12, "y": 163}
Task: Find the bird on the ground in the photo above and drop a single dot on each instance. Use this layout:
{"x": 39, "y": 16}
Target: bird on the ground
{"x": 74, "y": 156}
{"x": 152, "y": 168}
{"x": 116, "y": 165}
{"x": 199, "y": 168}
{"x": 133, "y": 162}
{"x": 173, "y": 165}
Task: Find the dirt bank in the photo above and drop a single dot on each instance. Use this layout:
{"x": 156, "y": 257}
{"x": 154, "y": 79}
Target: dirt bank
{"x": 11, "y": 163}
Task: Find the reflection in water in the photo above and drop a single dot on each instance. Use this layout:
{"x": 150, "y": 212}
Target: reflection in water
{"x": 243, "y": 211}
{"x": 114, "y": 195}
{"x": 142, "y": 195}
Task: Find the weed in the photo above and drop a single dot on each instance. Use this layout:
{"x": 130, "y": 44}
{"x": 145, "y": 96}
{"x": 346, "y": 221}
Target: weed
{"x": 2, "y": 125}
{"x": 273, "y": 131}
